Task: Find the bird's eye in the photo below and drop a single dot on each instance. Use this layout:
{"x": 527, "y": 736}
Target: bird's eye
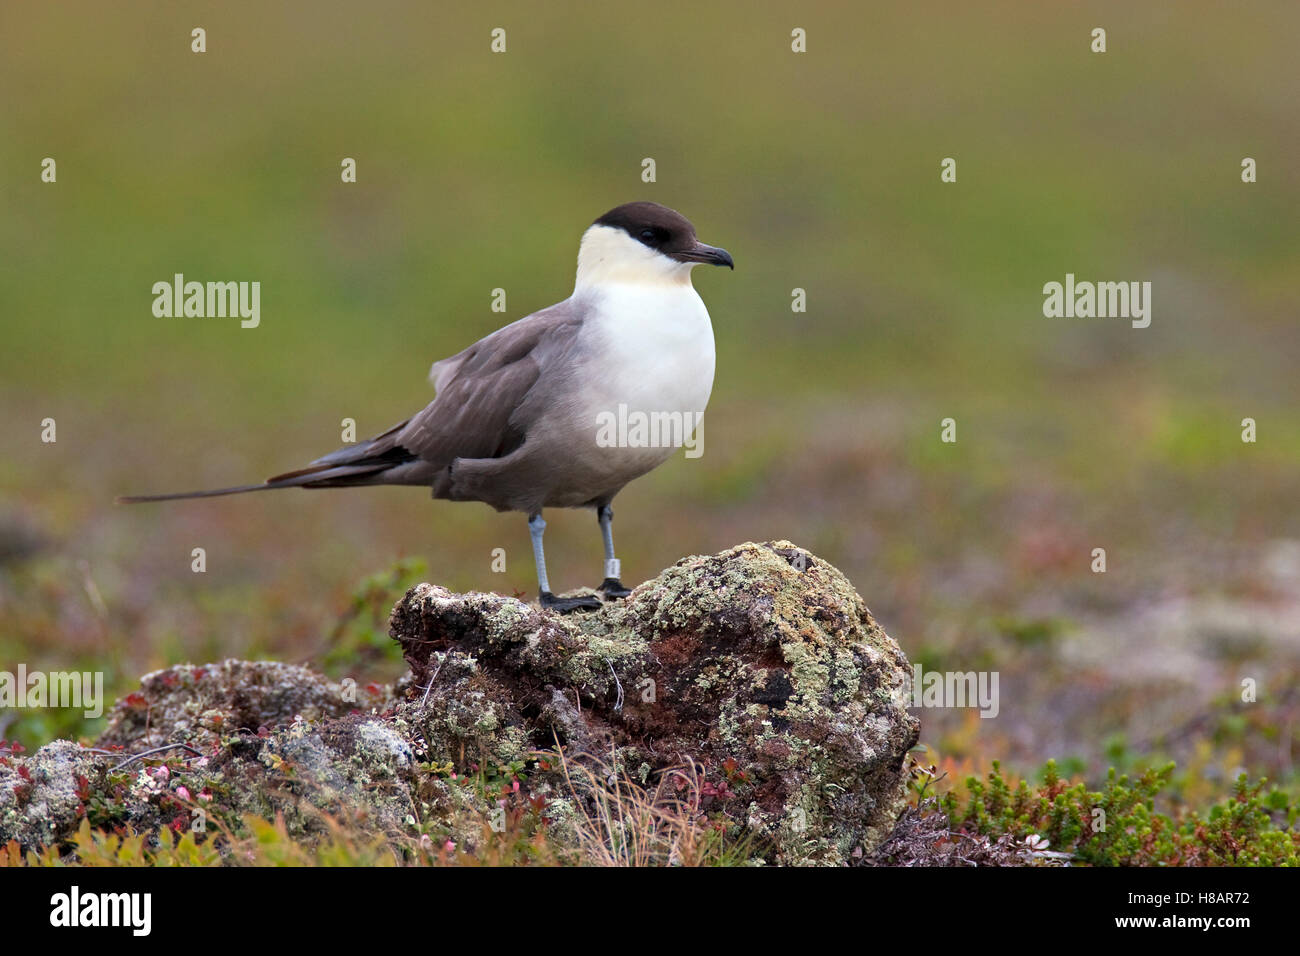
{"x": 648, "y": 234}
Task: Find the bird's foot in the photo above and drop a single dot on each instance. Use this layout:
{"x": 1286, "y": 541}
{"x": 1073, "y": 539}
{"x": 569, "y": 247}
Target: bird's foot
{"x": 613, "y": 589}
{"x": 568, "y": 605}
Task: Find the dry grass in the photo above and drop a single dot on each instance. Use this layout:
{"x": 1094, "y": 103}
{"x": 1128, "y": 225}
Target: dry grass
{"x": 621, "y": 823}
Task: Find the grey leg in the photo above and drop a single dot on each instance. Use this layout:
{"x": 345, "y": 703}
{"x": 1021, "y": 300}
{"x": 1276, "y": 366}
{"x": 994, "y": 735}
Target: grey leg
{"x": 536, "y": 528}
{"x": 611, "y": 587}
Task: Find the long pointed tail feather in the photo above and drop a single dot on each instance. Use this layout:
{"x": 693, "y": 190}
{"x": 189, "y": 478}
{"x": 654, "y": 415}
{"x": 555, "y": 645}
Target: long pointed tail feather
{"x": 210, "y": 493}
{"x": 320, "y": 477}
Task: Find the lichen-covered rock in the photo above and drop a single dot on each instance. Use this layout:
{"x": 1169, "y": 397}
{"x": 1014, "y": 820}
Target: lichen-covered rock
{"x": 40, "y": 800}
{"x": 200, "y": 705}
{"x": 222, "y": 741}
{"x": 759, "y": 665}
{"x": 757, "y": 673}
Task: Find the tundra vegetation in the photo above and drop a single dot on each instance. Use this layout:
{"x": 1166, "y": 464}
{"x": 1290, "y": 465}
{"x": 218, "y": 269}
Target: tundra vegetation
{"x": 740, "y": 708}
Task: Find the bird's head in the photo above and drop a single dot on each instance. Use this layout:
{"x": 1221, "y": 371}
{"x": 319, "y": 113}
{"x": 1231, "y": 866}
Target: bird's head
{"x": 644, "y": 242}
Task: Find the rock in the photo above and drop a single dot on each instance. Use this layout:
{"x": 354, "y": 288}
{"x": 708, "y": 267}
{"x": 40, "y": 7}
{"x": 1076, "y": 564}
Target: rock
{"x": 39, "y": 798}
{"x": 200, "y": 705}
{"x": 258, "y": 738}
{"x": 760, "y": 666}
{"x": 752, "y": 684}
{"x": 924, "y": 838}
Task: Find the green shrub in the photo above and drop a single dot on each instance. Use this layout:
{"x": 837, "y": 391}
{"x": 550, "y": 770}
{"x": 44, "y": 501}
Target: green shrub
{"x": 1120, "y": 826}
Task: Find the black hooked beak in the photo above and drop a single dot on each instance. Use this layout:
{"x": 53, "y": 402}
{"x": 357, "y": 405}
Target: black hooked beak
{"x": 709, "y": 255}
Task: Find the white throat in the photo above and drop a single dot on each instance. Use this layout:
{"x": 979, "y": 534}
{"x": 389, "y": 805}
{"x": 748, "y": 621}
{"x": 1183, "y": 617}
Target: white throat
{"x": 647, "y": 331}
{"x": 609, "y": 256}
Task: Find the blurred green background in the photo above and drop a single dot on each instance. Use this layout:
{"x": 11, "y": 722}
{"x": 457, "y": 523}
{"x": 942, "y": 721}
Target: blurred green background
{"x": 818, "y": 171}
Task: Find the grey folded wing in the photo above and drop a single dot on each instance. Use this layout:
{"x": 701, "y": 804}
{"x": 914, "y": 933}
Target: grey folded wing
{"x": 488, "y": 396}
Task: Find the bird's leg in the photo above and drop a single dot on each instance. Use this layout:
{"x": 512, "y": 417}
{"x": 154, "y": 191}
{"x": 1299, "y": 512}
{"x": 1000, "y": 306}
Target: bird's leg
{"x": 611, "y": 587}
{"x": 536, "y": 527}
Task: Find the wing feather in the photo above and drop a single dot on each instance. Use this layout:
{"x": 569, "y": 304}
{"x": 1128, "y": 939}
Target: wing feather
{"x": 481, "y": 410}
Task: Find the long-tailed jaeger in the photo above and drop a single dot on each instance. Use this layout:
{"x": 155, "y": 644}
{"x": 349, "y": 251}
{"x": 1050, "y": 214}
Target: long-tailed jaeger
{"x": 516, "y": 420}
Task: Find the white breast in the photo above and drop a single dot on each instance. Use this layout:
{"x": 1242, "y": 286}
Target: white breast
{"x": 648, "y": 346}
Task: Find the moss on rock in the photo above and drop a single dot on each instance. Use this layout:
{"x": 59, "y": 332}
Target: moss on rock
{"x": 760, "y": 665}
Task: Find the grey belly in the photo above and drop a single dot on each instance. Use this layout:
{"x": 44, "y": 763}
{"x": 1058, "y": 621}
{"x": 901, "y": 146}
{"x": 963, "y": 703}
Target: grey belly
{"x": 548, "y": 475}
